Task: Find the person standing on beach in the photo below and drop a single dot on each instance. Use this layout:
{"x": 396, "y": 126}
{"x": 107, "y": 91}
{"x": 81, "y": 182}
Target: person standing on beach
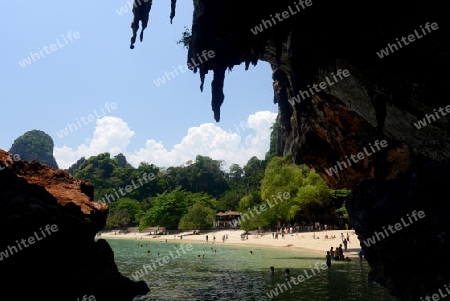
{"x": 345, "y": 244}
{"x": 360, "y": 254}
{"x": 206, "y": 238}
{"x": 328, "y": 259}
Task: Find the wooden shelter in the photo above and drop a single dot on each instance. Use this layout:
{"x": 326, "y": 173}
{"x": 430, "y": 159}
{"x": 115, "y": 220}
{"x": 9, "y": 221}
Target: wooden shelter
{"x": 227, "y": 219}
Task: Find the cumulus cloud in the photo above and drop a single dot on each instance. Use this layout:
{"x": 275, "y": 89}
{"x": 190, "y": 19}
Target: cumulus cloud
{"x": 111, "y": 135}
{"x": 235, "y": 145}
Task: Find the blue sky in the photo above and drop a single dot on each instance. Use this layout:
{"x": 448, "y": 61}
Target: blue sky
{"x": 79, "y": 76}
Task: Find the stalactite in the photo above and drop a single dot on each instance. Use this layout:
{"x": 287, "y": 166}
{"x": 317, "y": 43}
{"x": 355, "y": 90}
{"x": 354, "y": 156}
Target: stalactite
{"x": 172, "y": 10}
{"x": 256, "y": 52}
{"x": 203, "y": 72}
{"x": 217, "y": 91}
{"x": 141, "y": 12}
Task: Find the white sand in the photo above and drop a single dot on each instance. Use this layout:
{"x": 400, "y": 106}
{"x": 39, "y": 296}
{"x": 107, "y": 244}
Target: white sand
{"x": 302, "y": 240}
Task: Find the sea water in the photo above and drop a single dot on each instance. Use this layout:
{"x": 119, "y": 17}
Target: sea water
{"x": 227, "y": 272}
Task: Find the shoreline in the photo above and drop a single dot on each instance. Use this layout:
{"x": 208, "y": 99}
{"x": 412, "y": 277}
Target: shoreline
{"x": 302, "y": 241}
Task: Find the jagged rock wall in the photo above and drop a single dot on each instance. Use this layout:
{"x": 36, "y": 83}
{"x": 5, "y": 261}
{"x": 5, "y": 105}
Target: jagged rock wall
{"x": 406, "y": 251}
{"x": 65, "y": 264}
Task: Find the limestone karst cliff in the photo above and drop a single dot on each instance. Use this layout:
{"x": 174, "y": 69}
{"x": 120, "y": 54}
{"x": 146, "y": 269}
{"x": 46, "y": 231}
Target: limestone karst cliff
{"x": 48, "y": 247}
{"x": 397, "y": 57}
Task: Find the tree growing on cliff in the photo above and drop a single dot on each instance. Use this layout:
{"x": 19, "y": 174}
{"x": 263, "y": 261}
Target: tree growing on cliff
{"x": 186, "y": 38}
{"x": 35, "y": 145}
{"x": 307, "y": 190}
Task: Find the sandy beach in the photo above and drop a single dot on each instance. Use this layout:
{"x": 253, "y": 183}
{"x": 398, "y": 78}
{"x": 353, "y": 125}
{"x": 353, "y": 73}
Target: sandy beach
{"x": 302, "y": 241}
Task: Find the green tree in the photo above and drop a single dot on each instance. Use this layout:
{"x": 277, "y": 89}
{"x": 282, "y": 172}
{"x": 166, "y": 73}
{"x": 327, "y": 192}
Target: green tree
{"x": 253, "y": 174}
{"x": 131, "y": 207}
{"x": 100, "y": 171}
{"x": 275, "y": 141}
{"x": 72, "y": 169}
{"x": 265, "y": 220}
{"x": 308, "y": 192}
{"x": 117, "y": 219}
{"x": 229, "y": 200}
{"x": 341, "y": 194}
{"x": 204, "y": 175}
{"x": 235, "y": 174}
{"x": 199, "y": 217}
{"x": 169, "y": 207}
{"x": 252, "y": 217}
{"x": 313, "y": 194}
{"x": 151, "y": 186}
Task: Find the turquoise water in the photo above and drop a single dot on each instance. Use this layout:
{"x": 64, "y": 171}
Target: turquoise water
{"x": 232, "y": 273}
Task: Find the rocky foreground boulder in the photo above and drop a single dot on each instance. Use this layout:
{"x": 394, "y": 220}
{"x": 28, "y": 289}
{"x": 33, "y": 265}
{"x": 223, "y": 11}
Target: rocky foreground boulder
{"x": 48, "y": 246}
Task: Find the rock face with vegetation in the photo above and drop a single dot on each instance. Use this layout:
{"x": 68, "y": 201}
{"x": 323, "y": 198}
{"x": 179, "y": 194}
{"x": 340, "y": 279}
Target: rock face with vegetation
{"x": 63, "y": 261}
{"x": 35, "y": 145}
{"x": 397, "y": 57}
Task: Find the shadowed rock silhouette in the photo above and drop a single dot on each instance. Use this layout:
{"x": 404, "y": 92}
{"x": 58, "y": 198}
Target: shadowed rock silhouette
{"x": 141, "y": 11}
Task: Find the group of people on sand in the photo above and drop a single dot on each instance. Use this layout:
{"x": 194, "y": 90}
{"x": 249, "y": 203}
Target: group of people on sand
{"x": 224, "y": 238}
{"x": 336, "y": 254}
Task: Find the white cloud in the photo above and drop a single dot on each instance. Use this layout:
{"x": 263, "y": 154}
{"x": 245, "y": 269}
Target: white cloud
{"x": 111, "y": 135}
{"x": 238, "y": 145}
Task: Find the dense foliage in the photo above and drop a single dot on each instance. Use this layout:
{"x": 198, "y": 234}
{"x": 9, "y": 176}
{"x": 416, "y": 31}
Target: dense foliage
{"x": 189, "y": 196}
{"x": 270, "y": 193}
{"x": 291, "y": 194}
